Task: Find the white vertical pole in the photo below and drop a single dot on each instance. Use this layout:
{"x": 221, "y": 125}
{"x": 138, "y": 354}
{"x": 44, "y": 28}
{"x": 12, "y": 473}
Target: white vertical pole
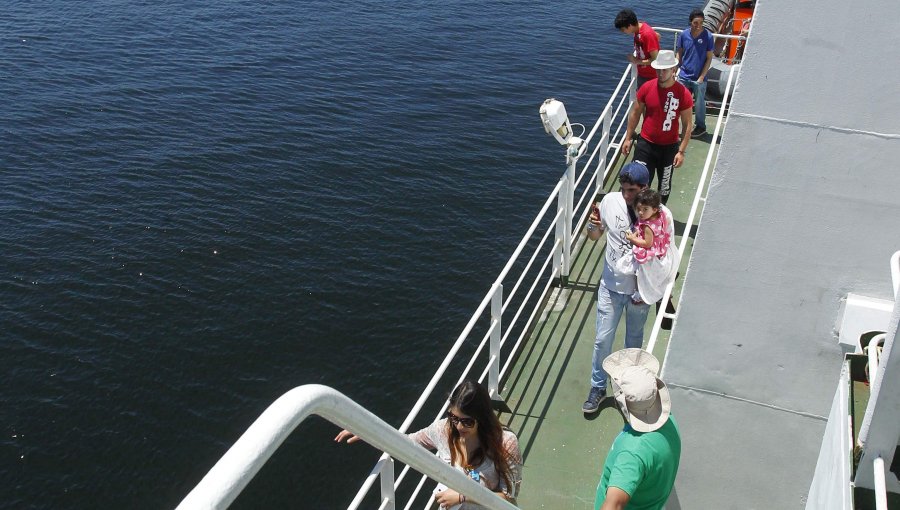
{"x": 632, "y": 87}
{"x": 388, "y": 499}
{"x": 560, "y": 224}
{"x": 605, "y": 132}
{"x": 497, "y": 325}
{"x": 569, "y": 216}
{"x": 880, "y": 485}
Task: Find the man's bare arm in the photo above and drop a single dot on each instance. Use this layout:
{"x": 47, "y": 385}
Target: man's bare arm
{"x": 616, "y": 499}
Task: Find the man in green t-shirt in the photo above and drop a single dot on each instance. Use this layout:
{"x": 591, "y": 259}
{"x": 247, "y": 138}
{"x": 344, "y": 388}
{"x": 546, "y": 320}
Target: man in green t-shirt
{"x": 640, "y": 468}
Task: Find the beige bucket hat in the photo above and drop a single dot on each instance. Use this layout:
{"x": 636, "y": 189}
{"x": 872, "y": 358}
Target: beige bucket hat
{"x": 665, "y": 59}
{"x": 642, "y": 396}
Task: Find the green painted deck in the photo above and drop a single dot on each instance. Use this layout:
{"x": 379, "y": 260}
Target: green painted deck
{"x": 564, "y": 449}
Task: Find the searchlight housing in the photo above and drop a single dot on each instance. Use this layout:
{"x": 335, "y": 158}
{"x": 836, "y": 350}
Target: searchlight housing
{"x": 556, "y": 121}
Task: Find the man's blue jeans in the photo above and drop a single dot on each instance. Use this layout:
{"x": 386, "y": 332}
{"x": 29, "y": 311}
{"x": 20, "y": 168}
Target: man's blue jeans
{"x": 610, "y": 306}
{"x": 698, "y": 89}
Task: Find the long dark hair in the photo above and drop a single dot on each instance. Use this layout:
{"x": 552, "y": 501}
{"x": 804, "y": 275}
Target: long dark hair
{"x": 473, "y": 399}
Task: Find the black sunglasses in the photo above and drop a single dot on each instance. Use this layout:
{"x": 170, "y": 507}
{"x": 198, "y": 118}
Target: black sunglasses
{"x": 466, "y": 422}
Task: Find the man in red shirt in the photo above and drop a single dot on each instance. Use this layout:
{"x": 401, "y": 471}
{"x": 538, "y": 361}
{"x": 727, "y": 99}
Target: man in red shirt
{"x": 666, "y": 107}
{"x": 646, "y": 44}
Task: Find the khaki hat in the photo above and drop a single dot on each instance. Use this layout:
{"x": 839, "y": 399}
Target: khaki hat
{"x": 642, "y": 396}
{"x": 665, "y": 59}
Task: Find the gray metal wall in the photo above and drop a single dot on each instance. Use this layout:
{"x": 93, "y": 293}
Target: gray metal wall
{"x": 803, "y": 208}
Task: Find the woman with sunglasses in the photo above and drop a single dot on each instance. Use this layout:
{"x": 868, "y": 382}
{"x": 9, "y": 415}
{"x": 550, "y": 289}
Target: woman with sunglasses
{"x": 471, "y": 438}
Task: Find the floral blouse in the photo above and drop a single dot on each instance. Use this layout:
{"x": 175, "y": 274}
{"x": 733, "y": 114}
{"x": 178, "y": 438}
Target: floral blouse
{"x": 434, "y": 437}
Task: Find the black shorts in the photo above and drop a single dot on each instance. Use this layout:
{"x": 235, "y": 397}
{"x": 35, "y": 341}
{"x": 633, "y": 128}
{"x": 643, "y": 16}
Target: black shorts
{"x": 659, "y": 159}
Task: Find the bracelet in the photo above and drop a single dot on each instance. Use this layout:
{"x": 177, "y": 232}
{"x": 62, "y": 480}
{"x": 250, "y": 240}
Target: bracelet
{"x": 680, "y": 152}
{"x": 462, "y": 498}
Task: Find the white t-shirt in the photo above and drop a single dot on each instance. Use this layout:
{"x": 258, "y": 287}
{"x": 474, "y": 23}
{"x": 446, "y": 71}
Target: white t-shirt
{"x": 614, "y": 214}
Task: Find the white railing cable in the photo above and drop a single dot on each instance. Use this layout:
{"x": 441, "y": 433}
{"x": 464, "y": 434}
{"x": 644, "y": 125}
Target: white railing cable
{"x": 611, "y": 148}
{"x": 531, "y": 318}
{"x": 525, "y": 271}
{"x": 528, "y": 294}
{"x": 415, "y": 493}
{"x": 367, "y": 484}
{"x": 614, "y": 94}
{"x": 527, "y": 268}
{"x": 528, "y": 324}
{"x": 553, "y": 195}
{"x": 481, "y": 345}
{"x": 685, "y": 235}
{"x": 414, "y": 412}
{"x": 245, "y": 458}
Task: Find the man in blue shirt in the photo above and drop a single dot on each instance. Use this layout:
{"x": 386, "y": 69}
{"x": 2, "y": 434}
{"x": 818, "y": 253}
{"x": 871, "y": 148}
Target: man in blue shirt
{"x": 695, "y": 52}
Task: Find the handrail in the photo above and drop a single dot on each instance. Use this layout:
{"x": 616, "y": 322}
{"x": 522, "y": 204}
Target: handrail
{"x": 245, "y": 458}
{"x": 677, "y": 31}
{"x": 698, "y": 197}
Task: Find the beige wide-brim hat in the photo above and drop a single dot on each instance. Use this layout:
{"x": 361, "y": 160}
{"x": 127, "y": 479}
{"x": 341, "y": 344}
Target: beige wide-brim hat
{"x": 665, "y": 59}
{"x": 642, "y": 396}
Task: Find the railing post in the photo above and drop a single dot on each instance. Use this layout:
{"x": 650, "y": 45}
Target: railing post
{"x": 569, "y": 217}
{"x": 880, "y": 485}
{"x": 605, "y": 132}
{"x": 560, "y": 226}
{"x": 388, "y": 500}
{"x": 632, "y": 87}
{"x": 496, "y": 330}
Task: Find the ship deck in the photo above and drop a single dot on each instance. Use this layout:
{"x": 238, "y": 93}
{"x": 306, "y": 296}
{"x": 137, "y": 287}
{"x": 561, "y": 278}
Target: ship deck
{"x": 563, "y": 448}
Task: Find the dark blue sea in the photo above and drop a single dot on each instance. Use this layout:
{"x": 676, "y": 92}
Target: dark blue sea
{"x": 206, "y": 204}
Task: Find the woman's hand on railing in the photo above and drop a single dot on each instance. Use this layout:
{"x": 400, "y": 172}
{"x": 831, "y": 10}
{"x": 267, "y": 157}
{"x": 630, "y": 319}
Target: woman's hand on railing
{"x": 346, "y": 434}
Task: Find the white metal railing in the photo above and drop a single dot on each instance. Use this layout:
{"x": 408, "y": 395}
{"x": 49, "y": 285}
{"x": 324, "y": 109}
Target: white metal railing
{"x": 695, "y": 205}
{"x": 878, "y": 431}
{"x": 552, "y": 234}
{"x": 740, "y": 39}
{"x": 559, "y": 234}
{"x": 245, "y": 458}
{"x": 727, "y": 37}
{"x": 602, "y": 145}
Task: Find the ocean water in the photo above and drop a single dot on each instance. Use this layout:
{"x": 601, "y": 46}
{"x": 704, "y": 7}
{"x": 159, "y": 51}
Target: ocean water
{"x": 206, "y": 204}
